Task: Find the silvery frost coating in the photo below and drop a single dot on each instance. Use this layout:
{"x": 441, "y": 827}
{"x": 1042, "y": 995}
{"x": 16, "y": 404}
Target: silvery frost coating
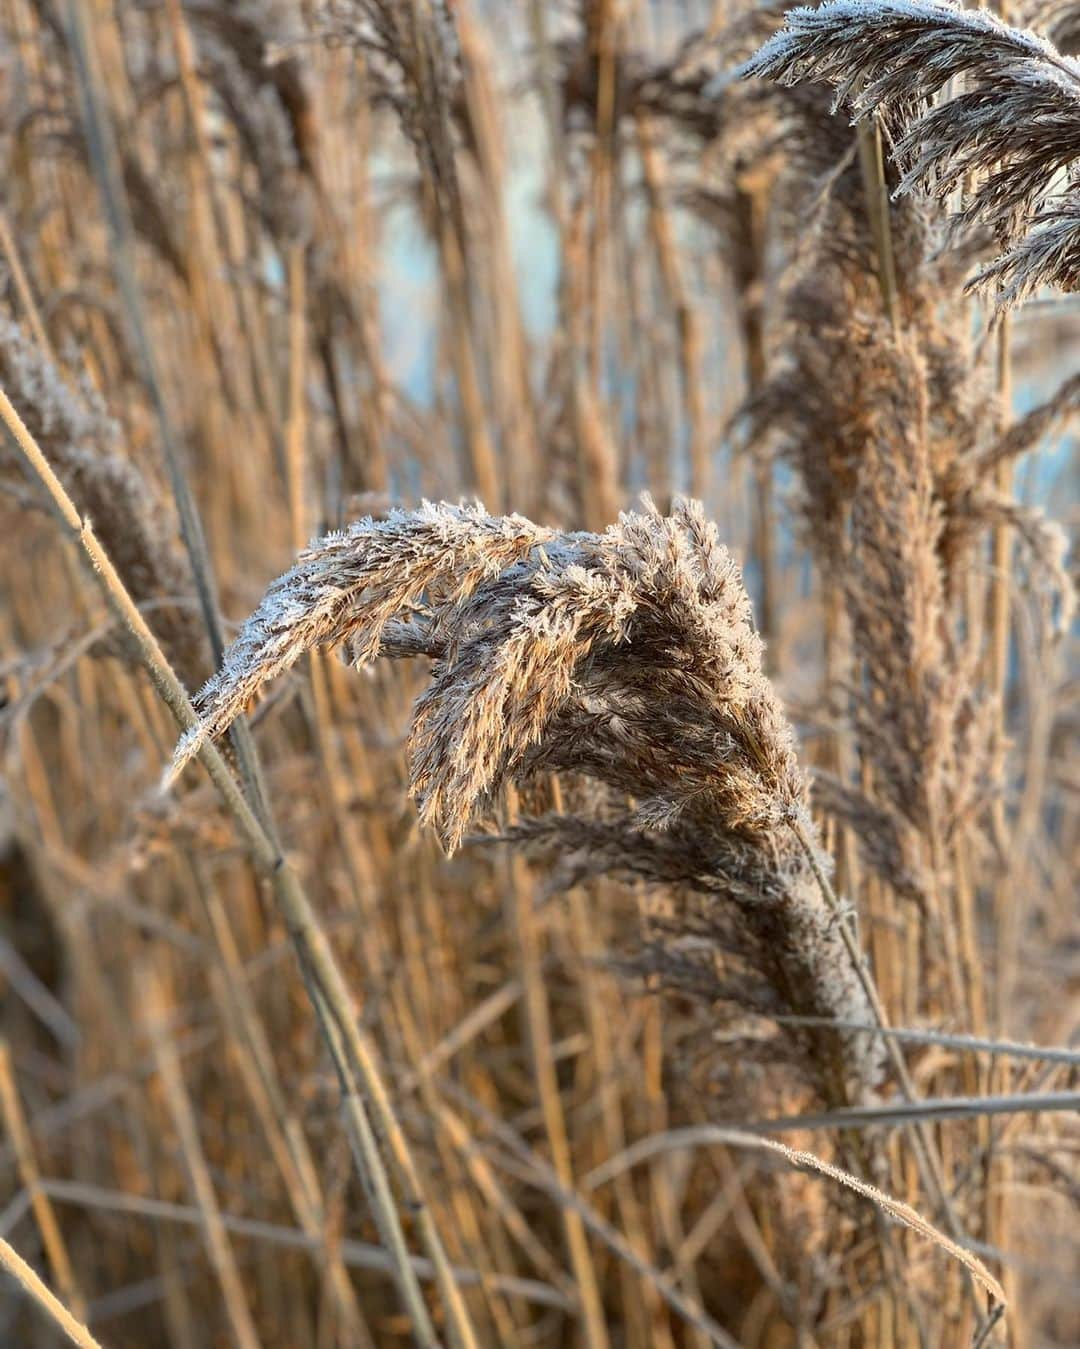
{"x": 628, "y": 658}
{"x": 1010, "y": 124}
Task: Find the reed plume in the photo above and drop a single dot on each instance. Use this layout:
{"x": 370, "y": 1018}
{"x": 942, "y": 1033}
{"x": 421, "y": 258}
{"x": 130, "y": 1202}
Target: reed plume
{"x": 628, "y": 657}
{"x": 838, "y": 363}
{"x": 916, "y": 720}
{"x": 1012, "y": 130}
{"x": 264, "y": 93}
{"x": 128, "y": 512}
{"x": 893, "y": 426}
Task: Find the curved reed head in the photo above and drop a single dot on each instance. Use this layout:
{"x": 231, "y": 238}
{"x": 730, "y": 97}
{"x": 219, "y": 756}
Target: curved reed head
{"x": 1010, "y": 131}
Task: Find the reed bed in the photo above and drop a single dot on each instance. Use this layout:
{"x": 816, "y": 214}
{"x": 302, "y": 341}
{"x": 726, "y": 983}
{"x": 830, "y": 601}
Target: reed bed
{"x": 616, "y": 885}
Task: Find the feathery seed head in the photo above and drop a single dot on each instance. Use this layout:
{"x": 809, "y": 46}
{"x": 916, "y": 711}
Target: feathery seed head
{"x": 1011, "y": 131}
{"x": 628, "y": 657}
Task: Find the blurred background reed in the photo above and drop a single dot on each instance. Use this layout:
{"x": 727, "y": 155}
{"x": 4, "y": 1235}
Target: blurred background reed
{"x": 270, "y": 266}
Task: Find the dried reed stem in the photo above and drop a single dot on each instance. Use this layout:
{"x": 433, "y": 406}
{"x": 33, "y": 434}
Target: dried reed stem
{"x": 13, "y": 1264}
{"x": 711, "y": 1135}
{"x": 105, "y": 160}
{"x": 297, "y": 415}
{"x": 19, "y": 1134}
{"x": 686, "y": 319}
{"x": 872, "y": 161}
{"x": 1012, "y": 130}
{"x": 22, "y": 287}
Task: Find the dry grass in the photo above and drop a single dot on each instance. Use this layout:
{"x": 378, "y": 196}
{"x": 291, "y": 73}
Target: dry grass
{"x": 752, "y": 811}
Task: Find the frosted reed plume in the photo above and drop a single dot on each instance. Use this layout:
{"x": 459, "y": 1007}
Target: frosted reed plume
{"x": 1013, "y": 128}
{"x": 628, "y": 657}
{"x": 838, "y": 364}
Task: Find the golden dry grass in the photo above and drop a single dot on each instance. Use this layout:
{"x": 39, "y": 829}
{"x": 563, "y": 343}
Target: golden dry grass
{"x": 452, "y": 998}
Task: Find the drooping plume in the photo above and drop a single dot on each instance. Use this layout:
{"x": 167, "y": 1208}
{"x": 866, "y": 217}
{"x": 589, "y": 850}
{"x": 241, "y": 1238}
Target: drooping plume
{"x": 628, "y": 657}
{"x": 1010, "y": 130}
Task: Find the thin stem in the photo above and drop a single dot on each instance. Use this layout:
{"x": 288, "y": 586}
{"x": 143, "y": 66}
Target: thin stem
{"x": 537, "y": 1017}
{"x": 51, "y": 1237}
{"x": 218, "y": 1246}
{"x": 368, "y": 1163}
{"x": 872, "y": 163}
{"x": 11, "y": 1262}
{"x": 751, "y": 204}
{"x": 307, "y": 934}
{"x": 105, "y": 159}
{"x": 712, "y": 1135}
